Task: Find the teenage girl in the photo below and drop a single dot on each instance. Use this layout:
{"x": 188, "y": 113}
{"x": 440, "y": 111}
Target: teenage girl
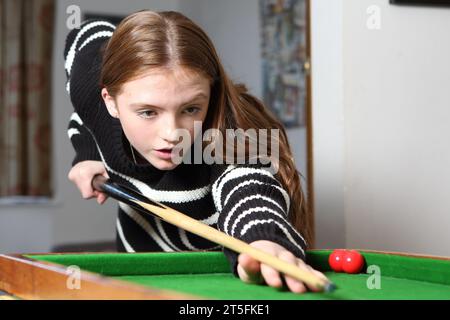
{"x": 134, "y": 88}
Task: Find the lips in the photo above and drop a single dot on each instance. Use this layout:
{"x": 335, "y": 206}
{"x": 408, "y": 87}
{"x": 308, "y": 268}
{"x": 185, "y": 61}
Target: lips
{"x": 165, "y": 153}
{"x": 165, "y": 150}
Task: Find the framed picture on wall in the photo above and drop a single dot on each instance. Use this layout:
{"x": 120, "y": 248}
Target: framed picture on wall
{"x": 285, "y": 53}
{"x": 422, "y": 2}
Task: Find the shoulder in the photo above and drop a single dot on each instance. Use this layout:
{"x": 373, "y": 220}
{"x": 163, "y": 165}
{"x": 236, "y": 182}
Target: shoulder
{"x": 91, "y": 34}
{"x": 234, "y": 174}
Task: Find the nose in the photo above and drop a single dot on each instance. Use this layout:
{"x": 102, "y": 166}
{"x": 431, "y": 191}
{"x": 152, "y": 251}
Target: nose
{"x": 168, "y": 130}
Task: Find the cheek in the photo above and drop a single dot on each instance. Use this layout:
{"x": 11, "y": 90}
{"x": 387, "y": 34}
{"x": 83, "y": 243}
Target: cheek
{"x": 138, "y": 131}
{"x": 189, "y": 126}
{"x": 128, "y": 126}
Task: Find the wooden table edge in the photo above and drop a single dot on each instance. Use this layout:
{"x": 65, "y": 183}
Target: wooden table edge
{"x": 28, "y": 278}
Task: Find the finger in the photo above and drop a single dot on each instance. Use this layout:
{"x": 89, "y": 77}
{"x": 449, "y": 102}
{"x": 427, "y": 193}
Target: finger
{"x": 293, "y": 284}
{"x": 249, "y": 269}
{"x": 102, "y": 198}
{"x": 87, "y": 192}
{"x": 307, "y": 268}
{"x": 85, "y": 187}
{"x": 271, "y": 276}
{"x": 318, "y": 274}
{"x": 97, "y": 196}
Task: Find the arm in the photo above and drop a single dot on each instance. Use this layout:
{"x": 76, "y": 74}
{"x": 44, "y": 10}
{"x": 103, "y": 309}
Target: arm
{"x": 82, "y": 56}
{"x": 253, "y": 207}
{"x": 82, "y": 141}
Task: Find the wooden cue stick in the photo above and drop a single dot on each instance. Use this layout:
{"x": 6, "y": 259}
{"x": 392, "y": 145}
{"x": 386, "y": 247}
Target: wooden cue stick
{"x": 141, "y": 203}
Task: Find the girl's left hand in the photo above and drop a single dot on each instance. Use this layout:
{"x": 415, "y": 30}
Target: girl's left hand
{"x": 252, "y": 271}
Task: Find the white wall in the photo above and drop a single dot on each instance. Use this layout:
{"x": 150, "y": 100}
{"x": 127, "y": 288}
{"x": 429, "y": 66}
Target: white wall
{"x": 233, "y": 27}
{"x": 397, "y": 111}
{"x": 26, "y": 228}
{"x": 384, "y": 115}
{"x": 327, "y": 122}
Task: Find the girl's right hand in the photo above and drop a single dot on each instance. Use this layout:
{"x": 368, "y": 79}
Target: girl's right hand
{"x": 82, "y": 174}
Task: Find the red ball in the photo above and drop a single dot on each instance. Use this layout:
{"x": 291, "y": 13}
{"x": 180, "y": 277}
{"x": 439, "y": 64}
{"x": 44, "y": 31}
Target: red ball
{"x": 335, "y": 260}
{"x": 353, "y": 262}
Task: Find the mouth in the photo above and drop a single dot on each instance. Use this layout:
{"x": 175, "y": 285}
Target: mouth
{"x": 164, "y": 153}
{"x": 165, "y": 149}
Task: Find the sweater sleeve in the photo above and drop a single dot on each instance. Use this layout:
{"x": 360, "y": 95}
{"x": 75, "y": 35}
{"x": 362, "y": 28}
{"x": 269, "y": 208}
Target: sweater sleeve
{"x": 82, "y": 57}
{"x": 253, "y": 206}
{"x": 82, "y": 141}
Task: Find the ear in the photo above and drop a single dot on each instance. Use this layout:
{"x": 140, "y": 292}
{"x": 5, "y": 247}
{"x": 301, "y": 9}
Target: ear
{"x": 110, "y": 104}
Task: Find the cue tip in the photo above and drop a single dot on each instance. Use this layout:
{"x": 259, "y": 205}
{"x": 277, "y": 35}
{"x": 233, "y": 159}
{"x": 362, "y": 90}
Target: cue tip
{"x": 329, "y": 287}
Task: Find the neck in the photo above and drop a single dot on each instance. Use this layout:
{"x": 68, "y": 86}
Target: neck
{"x": 137, "y": 158}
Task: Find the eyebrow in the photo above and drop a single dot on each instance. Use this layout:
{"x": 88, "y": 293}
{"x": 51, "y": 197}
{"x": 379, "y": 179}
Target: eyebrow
{"x": 143, "y": 104}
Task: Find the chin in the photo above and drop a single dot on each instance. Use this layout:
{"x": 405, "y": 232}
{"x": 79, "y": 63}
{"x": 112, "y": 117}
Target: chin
{"x": 163, "y": 165}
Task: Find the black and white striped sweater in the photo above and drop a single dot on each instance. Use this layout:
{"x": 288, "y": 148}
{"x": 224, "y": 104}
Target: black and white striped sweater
{"x": 246, "y": 202}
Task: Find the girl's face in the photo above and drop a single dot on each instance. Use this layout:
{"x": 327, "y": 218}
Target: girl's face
{"x": 152, "y": 107}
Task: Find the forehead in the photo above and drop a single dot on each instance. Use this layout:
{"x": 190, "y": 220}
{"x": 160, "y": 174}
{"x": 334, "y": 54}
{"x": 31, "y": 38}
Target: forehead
{"x": 165, "y": 84}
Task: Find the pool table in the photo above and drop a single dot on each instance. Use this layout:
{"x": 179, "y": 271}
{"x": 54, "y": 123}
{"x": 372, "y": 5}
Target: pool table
{"x": 206, "y": 275}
